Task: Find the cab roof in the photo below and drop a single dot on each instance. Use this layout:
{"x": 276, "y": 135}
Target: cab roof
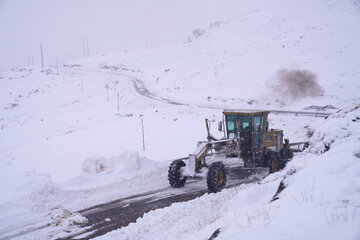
{"x": 244, "y": 112}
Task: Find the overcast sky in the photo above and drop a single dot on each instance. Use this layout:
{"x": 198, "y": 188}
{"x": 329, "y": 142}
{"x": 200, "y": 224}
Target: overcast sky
{"x": 109, "y": 25}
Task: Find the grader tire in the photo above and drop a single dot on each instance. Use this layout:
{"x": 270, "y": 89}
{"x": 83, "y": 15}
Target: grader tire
{"x": 286, "y": 155}
{"x": 216, "y": 177}
{"x": 174, "y": 174}
{"x": 274, "y": 164}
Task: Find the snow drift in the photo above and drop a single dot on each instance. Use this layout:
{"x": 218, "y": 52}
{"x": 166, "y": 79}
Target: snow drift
{"x": 126, "y": 164}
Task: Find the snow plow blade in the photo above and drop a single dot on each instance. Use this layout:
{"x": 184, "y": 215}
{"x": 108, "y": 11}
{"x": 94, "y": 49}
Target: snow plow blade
{"x": 236, "y": 173}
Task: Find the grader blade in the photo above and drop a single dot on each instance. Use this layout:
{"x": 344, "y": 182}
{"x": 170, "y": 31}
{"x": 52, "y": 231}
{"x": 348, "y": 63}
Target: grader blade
{"x": 236, "y": 173}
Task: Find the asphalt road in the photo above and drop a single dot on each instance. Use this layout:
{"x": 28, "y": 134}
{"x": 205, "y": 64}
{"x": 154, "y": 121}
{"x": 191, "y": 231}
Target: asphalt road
{"x": 107, "y": 217}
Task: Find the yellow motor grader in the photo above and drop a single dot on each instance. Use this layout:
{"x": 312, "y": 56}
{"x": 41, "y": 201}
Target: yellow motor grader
{"x": 247, "y": 143}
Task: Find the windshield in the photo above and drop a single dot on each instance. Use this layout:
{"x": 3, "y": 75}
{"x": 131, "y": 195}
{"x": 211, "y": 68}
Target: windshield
{"x": 232, "y": 124}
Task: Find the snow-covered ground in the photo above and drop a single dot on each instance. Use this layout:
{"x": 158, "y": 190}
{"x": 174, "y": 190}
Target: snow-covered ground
{"x": 71, "y": 137}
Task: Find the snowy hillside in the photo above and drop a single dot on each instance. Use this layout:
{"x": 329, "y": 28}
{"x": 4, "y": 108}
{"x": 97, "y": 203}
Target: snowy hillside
{"x": 235, "y": 61}
{"x": 71, "y": 137}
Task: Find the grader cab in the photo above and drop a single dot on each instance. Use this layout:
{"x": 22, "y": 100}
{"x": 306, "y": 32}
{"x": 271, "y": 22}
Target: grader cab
{"x": 247, "y": 143}
{"x": 250, "y": 128}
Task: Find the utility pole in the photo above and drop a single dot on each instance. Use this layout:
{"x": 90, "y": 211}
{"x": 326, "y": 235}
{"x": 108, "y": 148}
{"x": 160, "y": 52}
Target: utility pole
{"x": 87, "y": 47}
{"x": 143, "y": 135}
{"x": 146, "y": 40}
{"x": 82, "y": 82}
{"x": 57, "y": 66}
{"x": 42, "y": 57}
{"x": 84, "y": 50}
{"x": 118, "y": 103}
{"x": 85, "y": 43}
{"x": 107, "y": 92}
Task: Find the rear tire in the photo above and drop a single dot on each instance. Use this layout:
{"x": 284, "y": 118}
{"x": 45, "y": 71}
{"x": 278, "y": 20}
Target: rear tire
{"x": 174, "y": 174}
{"x": 285, "y": 156}
{"x": 274, "y": 165}
{"x": 216, "y": 177}
{"x": 274, "y": 161}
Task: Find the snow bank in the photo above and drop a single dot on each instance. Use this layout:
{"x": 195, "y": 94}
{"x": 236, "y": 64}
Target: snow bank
{"x": 101, "y": 171}
{"x": 31, "y": 202}
{"x": 128, "y": 163}
{"x": 40, "y": 201}
{"x": 39, "y": 193}
{"x": 32, "y": 190}
{"x": 343, "y": 124}
{"x": 321, "y": 199}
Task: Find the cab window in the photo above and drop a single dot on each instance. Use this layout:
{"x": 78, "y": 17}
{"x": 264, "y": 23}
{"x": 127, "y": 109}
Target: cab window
{"x": 232, "y": 124}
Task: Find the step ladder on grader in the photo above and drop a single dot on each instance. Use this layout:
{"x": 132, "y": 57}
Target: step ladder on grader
{"x": 247, "y": 144}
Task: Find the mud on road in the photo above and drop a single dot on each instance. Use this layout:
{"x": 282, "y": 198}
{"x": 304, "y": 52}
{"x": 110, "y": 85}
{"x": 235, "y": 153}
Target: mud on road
{"x": 110, "y": 216}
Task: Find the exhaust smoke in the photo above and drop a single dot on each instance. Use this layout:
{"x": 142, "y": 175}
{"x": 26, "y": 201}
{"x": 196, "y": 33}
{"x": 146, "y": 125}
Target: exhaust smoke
{"x": 296, "y": 84}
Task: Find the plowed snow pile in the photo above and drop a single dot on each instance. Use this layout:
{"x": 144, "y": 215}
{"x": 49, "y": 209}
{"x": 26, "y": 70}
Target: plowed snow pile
{"x": 40, "y": 201}
{"x": 321, "y": 199}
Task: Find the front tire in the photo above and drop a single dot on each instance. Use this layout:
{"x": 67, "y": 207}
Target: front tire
{"x": 174, "y": 174}
{"x": 216, "y": 177}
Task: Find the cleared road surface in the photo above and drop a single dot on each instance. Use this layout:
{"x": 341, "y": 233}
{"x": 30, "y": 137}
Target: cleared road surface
{"x": 106, "y": 217}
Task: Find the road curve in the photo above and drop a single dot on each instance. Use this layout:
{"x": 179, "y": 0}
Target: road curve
{"x": 140, "y": 88}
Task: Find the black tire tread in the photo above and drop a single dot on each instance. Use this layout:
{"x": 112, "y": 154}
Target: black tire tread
{"x": 212, "y": 177}
{"x": 174, "y": 167}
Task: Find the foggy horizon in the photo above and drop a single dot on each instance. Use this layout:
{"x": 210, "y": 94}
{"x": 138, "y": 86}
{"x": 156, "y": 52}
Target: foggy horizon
{"x": 108, "y": 26}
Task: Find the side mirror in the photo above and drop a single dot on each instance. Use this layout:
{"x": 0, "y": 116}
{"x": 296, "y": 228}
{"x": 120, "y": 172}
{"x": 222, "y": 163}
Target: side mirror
{"x": 220, "y": 126}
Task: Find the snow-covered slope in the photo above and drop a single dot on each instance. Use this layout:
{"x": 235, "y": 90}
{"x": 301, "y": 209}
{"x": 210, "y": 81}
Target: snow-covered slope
{"x": 72, "y": 137}
{"x": 235, "y": 61}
